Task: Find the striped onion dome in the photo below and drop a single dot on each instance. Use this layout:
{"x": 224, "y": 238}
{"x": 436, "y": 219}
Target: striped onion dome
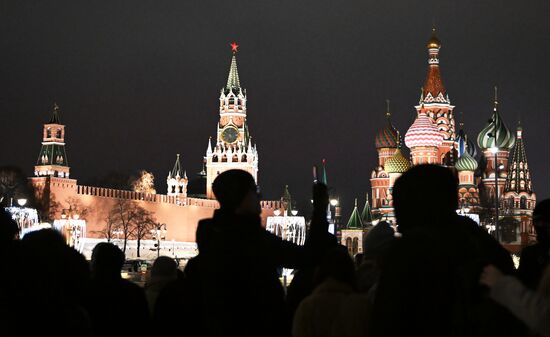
{"x": 505, "y": 138}
{"x": 387, "y": 137}
{"x": 466, "y": 162}
{"x": 397, "y": 163}
{"x": 423, "y": 132}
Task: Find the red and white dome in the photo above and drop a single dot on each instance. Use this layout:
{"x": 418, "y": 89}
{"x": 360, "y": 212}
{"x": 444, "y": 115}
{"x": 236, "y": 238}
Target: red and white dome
{"x": 423, "y": 132}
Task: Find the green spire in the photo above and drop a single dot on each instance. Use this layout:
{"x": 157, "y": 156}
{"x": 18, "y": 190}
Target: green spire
{"x": 354, "y": 221}
{"x": 366, "y": 215}
{"x": 324, "y": 176}
{"x": 233, "y": 78}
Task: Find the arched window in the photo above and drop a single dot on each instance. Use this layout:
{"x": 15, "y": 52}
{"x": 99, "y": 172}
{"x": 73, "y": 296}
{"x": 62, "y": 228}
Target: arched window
{"x": 523, "y": 202}
{"x": 215, "y": 158}
{"x": 355, "y": 246}
{"x": 244, "y": 158}
{"x": 348, "y": 244}
{"x": 58, "y": 133}
{"x": 224, "y": 158}
{"x": 235, "y": 158}
{"x": 49, "y": 133}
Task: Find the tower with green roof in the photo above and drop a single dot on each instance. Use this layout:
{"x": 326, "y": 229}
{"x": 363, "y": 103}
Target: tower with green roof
{"x": 354, "y": 233}
{"x": 233, "y": 147}
{"x": 52, "y": 159}
{"x": 495, "y": 141}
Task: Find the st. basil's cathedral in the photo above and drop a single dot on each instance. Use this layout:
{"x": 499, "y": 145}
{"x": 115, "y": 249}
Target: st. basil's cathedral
{"x": 500, "y": 170}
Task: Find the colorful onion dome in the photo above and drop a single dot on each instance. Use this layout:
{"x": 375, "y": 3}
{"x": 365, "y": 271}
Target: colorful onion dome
{"x": 465, "y": 144}
{"x": 397, "y": 163}
{"x": 434, "y": 41}
{"x": 504, "y": 138}
{"x": 423, "y": 132}
{"x": 387, "y": 137}
{"x": 466, "y": 163}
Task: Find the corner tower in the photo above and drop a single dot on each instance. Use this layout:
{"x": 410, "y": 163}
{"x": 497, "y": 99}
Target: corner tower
{"x": 52, "y": 160}
{"x": 233, "y": 148}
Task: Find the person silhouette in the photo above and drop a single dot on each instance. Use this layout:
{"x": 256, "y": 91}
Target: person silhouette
{"x": 116, "y": 306}
{"x": 235, "y": 272}
{"x": 429, "y": 280}
{"x": 534, "y": 258}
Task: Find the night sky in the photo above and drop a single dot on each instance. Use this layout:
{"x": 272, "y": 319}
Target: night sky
{"x": 139, "y": 81}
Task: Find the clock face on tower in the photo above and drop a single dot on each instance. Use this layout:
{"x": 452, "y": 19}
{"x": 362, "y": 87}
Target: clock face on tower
{"x": 230, "y": 134}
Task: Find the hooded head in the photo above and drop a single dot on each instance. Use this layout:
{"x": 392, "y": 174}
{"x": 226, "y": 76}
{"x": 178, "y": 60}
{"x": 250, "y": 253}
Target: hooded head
{"x": 236, "y": 191}
{"x": 425, "y": 195}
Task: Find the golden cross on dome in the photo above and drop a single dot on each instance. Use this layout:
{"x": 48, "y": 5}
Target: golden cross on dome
{"x": 234, "y": 47}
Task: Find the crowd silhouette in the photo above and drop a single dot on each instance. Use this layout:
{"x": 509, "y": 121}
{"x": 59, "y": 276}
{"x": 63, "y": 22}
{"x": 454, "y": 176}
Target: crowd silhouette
{"x": 443, "y": 275}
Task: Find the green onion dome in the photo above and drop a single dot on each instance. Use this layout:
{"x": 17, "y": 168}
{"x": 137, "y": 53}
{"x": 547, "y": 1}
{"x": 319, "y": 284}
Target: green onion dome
{"x": 466, "y": 162}
{"x": 397, "y": 163}
{"x": 505, "y": 138}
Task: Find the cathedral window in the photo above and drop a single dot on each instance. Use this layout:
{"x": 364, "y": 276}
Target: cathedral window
{"x": 244, "y": 158}
{"x": 49, "y": 133}
{"x": 523, "y": 202}
{"x": 215, "y": 158}
{"x": 235, "y": 158}
{"x": 58, "y": 133}
{"x": 224, "y": 158}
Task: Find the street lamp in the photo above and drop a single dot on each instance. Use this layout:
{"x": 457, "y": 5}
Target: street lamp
{"x": 159, "y": 232}
{"x": 333, "y": 203}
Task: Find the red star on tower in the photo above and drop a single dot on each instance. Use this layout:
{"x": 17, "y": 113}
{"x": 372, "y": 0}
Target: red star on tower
{"x": 234, "y": 47}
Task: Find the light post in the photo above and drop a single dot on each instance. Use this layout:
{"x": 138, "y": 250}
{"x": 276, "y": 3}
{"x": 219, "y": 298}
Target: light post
{"x": 333, "y": 203}
{"x": 159, "y": 232}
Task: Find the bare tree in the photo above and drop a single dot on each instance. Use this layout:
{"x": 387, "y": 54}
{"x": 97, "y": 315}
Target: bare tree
{"x": 144, "y": 222}
{"x": 110, "y": 227}
{"x": 123, "y": 216}
{"x": 76, "y": 206}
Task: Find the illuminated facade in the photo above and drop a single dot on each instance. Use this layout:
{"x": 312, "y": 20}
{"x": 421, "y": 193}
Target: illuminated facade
{"x": 233, "y": 148}
{"x": 433, "y": 139}
{"x": 180, "y": 212}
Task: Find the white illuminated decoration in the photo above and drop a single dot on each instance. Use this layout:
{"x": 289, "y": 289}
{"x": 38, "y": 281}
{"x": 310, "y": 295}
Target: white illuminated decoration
{"x": 289, "y": 228}
{"x": 26, "y": 218}
{"x": 73, "y": 230}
